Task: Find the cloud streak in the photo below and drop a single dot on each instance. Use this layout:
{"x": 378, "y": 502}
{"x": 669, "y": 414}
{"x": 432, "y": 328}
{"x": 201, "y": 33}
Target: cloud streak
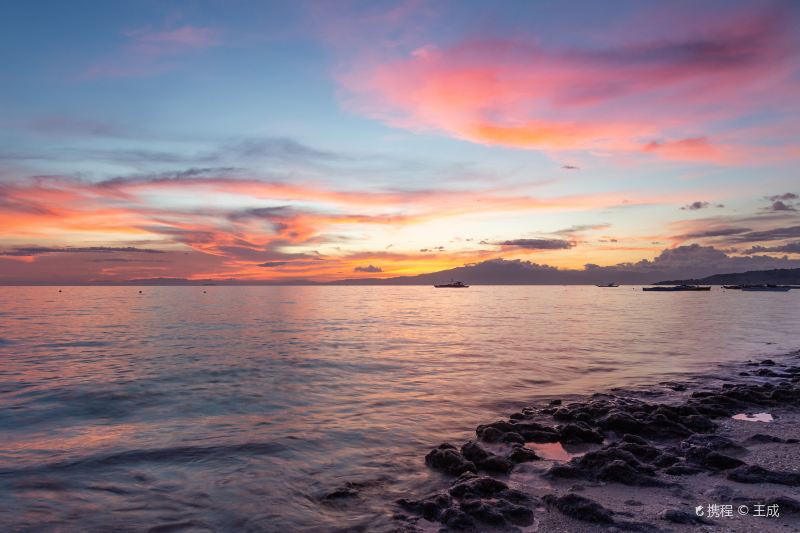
{"x": 148, "y": 52}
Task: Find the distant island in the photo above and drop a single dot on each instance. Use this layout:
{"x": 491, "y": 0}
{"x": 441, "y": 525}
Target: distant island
{"x": 780, "y": 276}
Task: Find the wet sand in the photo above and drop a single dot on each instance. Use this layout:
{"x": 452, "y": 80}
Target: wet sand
{"x": 712, "y": 454}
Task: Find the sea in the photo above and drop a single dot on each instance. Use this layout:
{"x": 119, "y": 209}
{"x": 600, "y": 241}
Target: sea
{"x": 231, "y": 408}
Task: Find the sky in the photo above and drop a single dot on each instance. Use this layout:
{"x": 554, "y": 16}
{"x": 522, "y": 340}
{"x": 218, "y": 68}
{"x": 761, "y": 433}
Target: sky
{"x": 330, "y": 140}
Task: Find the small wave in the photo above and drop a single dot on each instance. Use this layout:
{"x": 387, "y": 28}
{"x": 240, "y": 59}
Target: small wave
{"x": 74, "y": 344}
{"x": 177, "y": 454}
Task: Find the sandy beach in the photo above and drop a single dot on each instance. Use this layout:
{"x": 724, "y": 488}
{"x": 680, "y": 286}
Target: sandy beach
{"x": 711, "y": 453}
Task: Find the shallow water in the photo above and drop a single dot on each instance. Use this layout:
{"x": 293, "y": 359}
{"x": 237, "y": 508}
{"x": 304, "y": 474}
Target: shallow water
{"x": 240, "y": 408}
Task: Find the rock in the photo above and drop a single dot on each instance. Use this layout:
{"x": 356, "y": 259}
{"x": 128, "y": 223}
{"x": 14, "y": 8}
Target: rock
{"x": 634, "y": 439}
{"x": 699, "y": 423}
{"x": 513, "y": 437}
{"x": 521, "y": 454}
{"x": 483, "y": 512}
{"x": 608, "y": 464}
{"x": 622, "y": 472}
{"x": 457, "y": 519}
{"x": 785, "y": 504}
{"x": 713, "y": 442}
{"x": 643, "y": 452}
{"x": 580, "y": 508}
{"x": 493, "y": 432}
{"x": 533, "y": 432}
{"x": 563, "y": 415}
{"x": 430, "y": 508}
{"x": 540, "y": 436}
{"x": 681, "y": 517}
{"x": 720, "y": 461}
{"x": 767, "y": 362}
{"x": 496, "y": 464}
{"x": 579, "y": 433}
{"x": 762, "y": 438}
{"x": 477, "y": 487}
{"x": 448, "y": 460}
{"x": 665, "y": 460}
{"x": 484, "y": 460}
{"x": 515, "y": 514}
{"x": 554, "y": 403}
{"x": 759, "y": 474}
{"x": 491, "y": 435}
{"x": 472, "y": 451}
{"x": 682, "y": 469}
{"x": 621, "y": 423}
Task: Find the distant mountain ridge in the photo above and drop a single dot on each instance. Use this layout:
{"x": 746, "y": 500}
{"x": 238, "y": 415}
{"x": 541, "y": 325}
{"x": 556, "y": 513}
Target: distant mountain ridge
{"x": 779, "y": 276}
{"x": 516, "y": 272}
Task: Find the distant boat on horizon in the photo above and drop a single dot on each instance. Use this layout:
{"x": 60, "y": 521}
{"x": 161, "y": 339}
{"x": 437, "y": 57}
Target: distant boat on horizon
{"x": 451, "y": 285}
{"x": 676, "y": 288}
{"x": 612, "y": 284}
{"x": 765, "y": 288}
{"x": 761, "y": 287}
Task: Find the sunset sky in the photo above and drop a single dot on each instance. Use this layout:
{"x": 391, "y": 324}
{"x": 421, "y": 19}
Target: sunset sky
{"x": 330, "y": 140}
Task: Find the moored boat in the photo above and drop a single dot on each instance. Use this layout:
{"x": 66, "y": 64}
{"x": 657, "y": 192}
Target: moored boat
{"x": 612, "y": 284}
{"x": 766, "y": 288}
{"x": 676, "y": 288}
{"x": 452, "y": 285}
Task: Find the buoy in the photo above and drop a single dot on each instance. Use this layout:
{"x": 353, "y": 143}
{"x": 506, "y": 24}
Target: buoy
{"x": 140, "y": 292}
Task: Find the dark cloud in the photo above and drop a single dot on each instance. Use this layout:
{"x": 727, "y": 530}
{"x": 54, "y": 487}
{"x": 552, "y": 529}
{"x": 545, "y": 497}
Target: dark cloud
{"x": 121, "y": 260}
{"x": 719, "y": 232}
{"x": 789, "y": 248}
{"x": 40, "y": 250}
{"x": 580, "y": 228}
{"x": 776, "y": 234}
{"x": 570, "y": 167}
{"x": 781, "y": 206}
{"x": 369, "y": 268}
{"x": 268, "y": 213}
{"x": 539, "y": 244}
{"x": 273, "y": 264}
{"x": 694, "y": 206}
{"x": 784, "y": 196}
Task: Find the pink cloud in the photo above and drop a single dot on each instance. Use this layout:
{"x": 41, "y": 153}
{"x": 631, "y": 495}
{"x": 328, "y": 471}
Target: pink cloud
{"x": 525, "y": 94}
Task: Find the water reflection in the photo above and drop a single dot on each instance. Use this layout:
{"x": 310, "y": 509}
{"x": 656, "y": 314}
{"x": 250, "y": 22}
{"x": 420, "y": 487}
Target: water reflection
{"x": 242, "y": 407}
{"x": 555, "y": 451}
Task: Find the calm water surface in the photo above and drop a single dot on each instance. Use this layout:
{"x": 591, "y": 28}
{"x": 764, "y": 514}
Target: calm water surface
{"x": 240, "y": 408}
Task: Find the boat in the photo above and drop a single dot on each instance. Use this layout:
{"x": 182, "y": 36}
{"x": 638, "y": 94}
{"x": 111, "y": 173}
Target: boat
{"x": 612, "y": 284}
{"x": 452, "y": 285}
{"x": 677, "y": 288}
{"x": 766, "y": 288}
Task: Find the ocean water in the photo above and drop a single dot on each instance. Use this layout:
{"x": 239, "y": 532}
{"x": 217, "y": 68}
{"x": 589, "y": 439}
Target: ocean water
{"x": 240, "y": 408}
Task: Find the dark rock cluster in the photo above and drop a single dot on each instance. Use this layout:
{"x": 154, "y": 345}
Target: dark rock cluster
{"x": 473, "y": 503}
{"x": 636, "y": 442}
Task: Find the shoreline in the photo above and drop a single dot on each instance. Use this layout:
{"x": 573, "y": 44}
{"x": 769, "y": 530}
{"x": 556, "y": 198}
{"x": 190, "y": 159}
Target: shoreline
{"x": 641, "y": 459}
